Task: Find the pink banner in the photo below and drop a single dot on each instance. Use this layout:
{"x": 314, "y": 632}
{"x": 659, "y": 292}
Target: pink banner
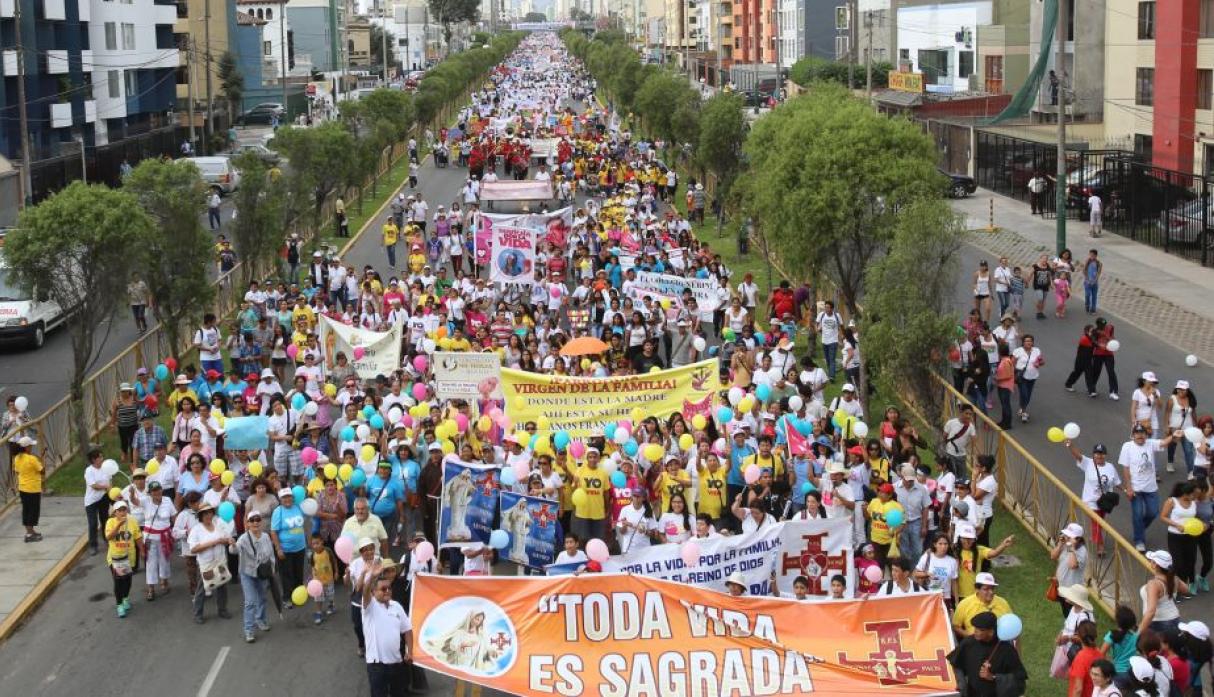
{"x": 528, "y": 190}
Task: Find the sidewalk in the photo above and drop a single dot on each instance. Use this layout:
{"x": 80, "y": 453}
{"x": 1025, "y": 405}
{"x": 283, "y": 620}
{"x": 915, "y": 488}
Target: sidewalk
{"x": 29, "y": 570}
{"x": 1159, "y": 293}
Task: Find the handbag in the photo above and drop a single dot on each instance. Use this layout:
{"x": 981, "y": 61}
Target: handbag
{"x": 214, "y": 575}
{"x": 1061, "y": 663}
{"x": 1108, "y": 499}
{"x": 1051, "y": 590}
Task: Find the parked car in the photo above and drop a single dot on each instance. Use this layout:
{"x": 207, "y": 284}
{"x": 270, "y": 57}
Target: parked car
{"x": 960, "y": 185}
{"x": 263, "y": 114}
{"x": 413, "y": 79}
{"x": 218, "y": 172}
{"x": 1189, "y": 223}
{"x": 267, "y": 155}
{"x": 1130, "y": 192}
{"x": 26, "y": 319}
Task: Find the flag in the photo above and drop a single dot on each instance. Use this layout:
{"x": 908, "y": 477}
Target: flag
{"x": 797, "y": 443}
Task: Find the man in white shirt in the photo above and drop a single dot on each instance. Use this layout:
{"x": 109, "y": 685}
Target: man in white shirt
{"x": 1137, "y": 460}
{"x": 959, "y": 432}
{"x": 901, "y": 582}
{"x": 829, "y": 325}
{"x": 1095, "y": 214}
{"x": 1003, "y": 284}
{"x": 206, "y": 340}
{"x": 388, "y": 633}
{"x": 749, "y": 293}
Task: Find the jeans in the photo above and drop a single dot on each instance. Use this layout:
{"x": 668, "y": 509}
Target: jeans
{"x": 387, "y": 679}
{"x": 829, "y": 352}
{"x": 1187, "y": 450}
{"x": 1089, "y": 296}
{"x": 97, "y": 513}
{"x": 221, "y": 599}
{"x": 1026, "y": 392}
{"x": 254, "y": 590}
{"x": 1005, "y": 405}
{"x": 391, "y": 249}
{"x": 213, "y": 218}
{"x": 1005, "y": 299}
{"x": 910, "y": 541}
{"x": 1144, "y": 509}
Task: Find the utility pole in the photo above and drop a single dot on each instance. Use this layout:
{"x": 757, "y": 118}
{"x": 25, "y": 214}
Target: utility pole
{"x": 683, "y": 7}
{"x": 189, "y": 81}
{"x": 27, "y": 185}
{"x": 851, "y": 55}
{"x": 1060, "y": 171}
{"x": 868, "y": 55}
{"x": 282, "y": 53}
{"x": 206, "y": 38}
{"x": 775, "y": 23}
{"x": 383, "y": 35}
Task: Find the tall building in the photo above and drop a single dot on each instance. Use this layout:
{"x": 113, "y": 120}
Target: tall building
{"x": 754, "y": 40}
{"x": 278, "y": 39}
{"x": 318, "y": 26}
{"x": 964, "y": 45}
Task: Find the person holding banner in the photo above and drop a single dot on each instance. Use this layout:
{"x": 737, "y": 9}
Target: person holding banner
{"x": 589, "y": 507}
{"x": 635, "y": 524}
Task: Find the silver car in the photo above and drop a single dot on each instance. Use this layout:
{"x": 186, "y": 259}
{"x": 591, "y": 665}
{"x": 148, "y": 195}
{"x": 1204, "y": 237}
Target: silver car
{"x": 219, "y": 173}
{"x": 1185, "y": 223}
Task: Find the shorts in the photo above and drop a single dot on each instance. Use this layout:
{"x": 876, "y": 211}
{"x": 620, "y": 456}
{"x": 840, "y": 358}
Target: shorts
{"x": 980, "y": 296}
{"x": 1040, "y": 294}
{"x": 328, "y": 595}
{"x": 288, "y": 463}
{"x": 1094, "y": 218}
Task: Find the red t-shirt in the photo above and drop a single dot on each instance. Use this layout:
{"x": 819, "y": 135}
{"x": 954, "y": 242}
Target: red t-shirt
{"x": 1081, "y": 667}
{"x": 1180, "y": 671}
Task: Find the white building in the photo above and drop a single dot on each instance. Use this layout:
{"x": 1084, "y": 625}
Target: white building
{"x": 413, "y": 29}
{"x": 941, "y": 41}
{"x": 128, "y": 58}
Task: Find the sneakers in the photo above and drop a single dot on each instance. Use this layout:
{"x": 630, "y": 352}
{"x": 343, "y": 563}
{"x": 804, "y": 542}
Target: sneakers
{"x": 329, "y": 610}
{"x": 1024, "y": 417}
{"x": 1092, "y": 395}
{"x": 1113, "y": 396}
{"x": 1140, "y": 547}
{"x": 249, "y": 638}
{"x": 317, "y": 618}
{"x": 1070, "y": 388}
{"x": 1170, "y": 469}
{"x": 1203, "y": 584}
{"x": 121, "y": 610}
{"x": 224, "y": 615}
{"x": 263, "y": 626}
{"x": 126, "y": 604}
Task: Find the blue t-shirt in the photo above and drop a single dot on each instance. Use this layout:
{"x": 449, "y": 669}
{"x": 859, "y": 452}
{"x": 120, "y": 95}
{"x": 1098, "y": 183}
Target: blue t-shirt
{"x": 288, "y": 524}
{"x": 736, "y": 456}
{"x": 1121, "y": 652}
{"x": 384, "y": 505}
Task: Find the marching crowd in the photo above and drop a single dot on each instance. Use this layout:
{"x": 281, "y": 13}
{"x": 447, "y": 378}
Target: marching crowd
{"x": 347, "y": 492}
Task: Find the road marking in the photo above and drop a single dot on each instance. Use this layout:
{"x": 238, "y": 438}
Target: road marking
{"x": 213, "y": 673}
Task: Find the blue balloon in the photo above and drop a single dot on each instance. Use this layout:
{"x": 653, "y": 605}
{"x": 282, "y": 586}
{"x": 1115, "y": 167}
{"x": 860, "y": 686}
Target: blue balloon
{"x": 600, "y": 372}
{"x": 227, "y": 511}
{"x": 763, "y": 392}
{"x": 803, "y": 426}
{"x": 631, "y": 447}
{"x": 724, "y": 415}
{"x": 509, "y": 478}
{"x": 760, "y": 338}
{"x": 498, "y": 539}
{"x": 300, "y": 494}
{"x": 162, "y": 372}
{"x": 358, "y": 478}
{"x": 893, "y": 518}
{"x": 368, "y": 411}
{"x": 1009, "y": 627}
{"x": 298, "y": 401}
{"x": 609, "y": 431}
{"x": 377, "y": 422}
{"x": 618, "y": 480}
{"x": 713, "y": 350}
{"x": 807, "y": 487}
{"x": 347, "y": 433}
{"x": 535, "y": 438}
{"x": 561, "y": 440}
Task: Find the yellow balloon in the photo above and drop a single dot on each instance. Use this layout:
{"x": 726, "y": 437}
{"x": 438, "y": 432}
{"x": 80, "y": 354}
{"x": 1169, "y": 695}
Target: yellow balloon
{"x": 330, "y": 390}
{"x": 579, "y": 497}
{"x": 522, "y": 437}
{"x": 686, "y": 441}
{"x": 699, "y": 422}
{"x": 115, "y": 493}
{"x": 218, "y": 466}
{"x": 152, "y": 467}
{"x": 484, "y": 423}
{"x": 638, "y": 415}
{"x": 448, "y": 447}
{"x": 227, "y": 478}
{"x": 345, "y": 472}
{"x": 585, "y": 364}
{"x": 653, "y": 452}
{"x": 1194, "y": 527}
{"x": 299, "y": 596}
{"x": 368, "y": 452}
{"x": 330, "y": 471}
{"x": 255, "y": 468}
{"x": 315, "y": 485}
{"x": 665, "y": 302}
{"x": 655, "y": 369}
{"x": 747, "y": 404}
{"x": 1055, "y": 435}
{"x": 542, "y": 423}
{"x": 543, "y": 446}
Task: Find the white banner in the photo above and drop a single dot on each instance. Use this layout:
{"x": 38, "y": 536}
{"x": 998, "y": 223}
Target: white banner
{"x": 525, "y": 190}
{"x": 513, "y": 256}
{"x": 458, "y": 374}
{"x": 754, "y": 555}
{"x": 380, "y": 350}
{"x": 816, "y": 549}
{"x": 664, "y": 285}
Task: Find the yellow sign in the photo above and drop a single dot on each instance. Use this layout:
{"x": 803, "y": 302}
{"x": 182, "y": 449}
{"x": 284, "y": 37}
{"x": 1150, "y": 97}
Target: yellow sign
{"x": 905, "y": 82}
{"x": 582, "y": 405}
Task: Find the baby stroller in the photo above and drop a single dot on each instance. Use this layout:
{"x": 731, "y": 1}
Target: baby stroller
{"x": 440, "y": 157}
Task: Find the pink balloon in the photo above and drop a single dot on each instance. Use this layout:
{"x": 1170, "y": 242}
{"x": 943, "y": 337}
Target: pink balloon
{"x": 873, "y": 574}
{"x": 292, "y": 351}
{"x": 420, "y": 363}
{"x": 316, "y": 589}
{"x": 308, "y": 455}
{"x": 359, "y": 352}
{"x": 423, "y": 552}
{"x": 625, "y": 424}
{"x": 461, "y": 421}
{"x": 931, "y": 485}
{"x": 419, "y": 391}
{"x": 556, "y": 291}
{"x": 494, "y": 414}
{"x": 691, "y": 554}
{"x": 752, "y": 474}
{"x": 577, "y": 448}
{"x": 407, "y": 420}
{"x": 719, "y": 447}
{"x": 521, "y": 470}
{"x": 596, "y": 549}
{"x": 344, "y": 548}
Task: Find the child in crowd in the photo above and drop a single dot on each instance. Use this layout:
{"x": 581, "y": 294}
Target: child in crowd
{"x": 323, "y": 571}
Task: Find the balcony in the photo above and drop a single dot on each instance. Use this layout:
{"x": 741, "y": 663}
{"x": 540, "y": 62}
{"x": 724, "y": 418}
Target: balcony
{"x": 86, "y": 56}
{"x": 90, "y": 110}
{"x": 61, "y": 115}
{"x": 10, "y": 63}
{"x": 56, "y": 62}
{"x": 54, "y": 10}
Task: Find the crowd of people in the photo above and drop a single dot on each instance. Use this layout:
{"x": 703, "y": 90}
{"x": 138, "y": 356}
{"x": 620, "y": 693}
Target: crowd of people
{"x": 347, "y": 492}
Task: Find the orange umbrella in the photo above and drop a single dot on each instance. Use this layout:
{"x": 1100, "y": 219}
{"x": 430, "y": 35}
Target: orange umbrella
{"x": 584, "y": 346}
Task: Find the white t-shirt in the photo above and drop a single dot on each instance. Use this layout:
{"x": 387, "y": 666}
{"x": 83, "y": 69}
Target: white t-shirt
{"x": 93, "y": 475}
{"x": 578, "y": 557}
{"x": 1108, "y": 479}
{"x": 891, "y": 589}
{"x": 986, "y": 507}
{"x": 829, "y": 327}
{"x": 956, "y": 445}
{"x": 200, "y": 535}
{"x": 673, "y": 521}
{"x": 1140, "y": 461}
{"x": 1027, "y": 361}
{"x": 940, "y": 571}
{"x": 383, "y": 626}
{"x": 637, "y": 536}
{"x": 207, "y": 341}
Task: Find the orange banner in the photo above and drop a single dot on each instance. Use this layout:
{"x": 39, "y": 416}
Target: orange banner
{"x": 616, "y": 635}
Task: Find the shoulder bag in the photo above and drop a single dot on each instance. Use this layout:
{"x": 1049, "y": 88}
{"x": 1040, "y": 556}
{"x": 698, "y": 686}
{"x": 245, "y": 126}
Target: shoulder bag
{"x": 1108, "y": 498}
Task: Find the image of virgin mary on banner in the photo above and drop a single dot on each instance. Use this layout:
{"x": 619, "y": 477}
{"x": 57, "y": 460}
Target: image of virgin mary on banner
{"x": 468, "y": 504}
{"x": 535, "y": 531}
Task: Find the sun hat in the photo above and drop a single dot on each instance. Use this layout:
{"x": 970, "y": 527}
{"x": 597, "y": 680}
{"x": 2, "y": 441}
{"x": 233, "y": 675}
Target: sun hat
{"x": 1142, "y": 669}
{"x": 1196, "y": 629}
{"x": 366, "y": 542}
{"x": 1076, "y": 594}
{"x": 27, "y": 442}
{"x": 737, "y": 579}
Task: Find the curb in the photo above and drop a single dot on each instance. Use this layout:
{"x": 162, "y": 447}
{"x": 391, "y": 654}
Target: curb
{"x": 41, "y": 590}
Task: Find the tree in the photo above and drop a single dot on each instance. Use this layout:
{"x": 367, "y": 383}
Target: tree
{"x": 814, "y": 69}
{"x": 231, "y": 82}
{"x": 535, "y": 17}
{"x": 577, "y": 14}
{"x": 79, "y": 248}
{"x": 449, "y": 12}
{"x": 910, "y": 314}
{"x": 377, "y": 49}
{"x": 719, "y": 150}
{"x": 320, "y": 160}
{"x": 827, "y": 177}
{"x": 178, "y": 251}
{"x": 261, "y": 211}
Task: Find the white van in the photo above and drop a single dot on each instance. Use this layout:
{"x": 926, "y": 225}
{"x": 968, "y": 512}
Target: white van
{"x": 23, "y": 318}
{"x": 219, "y": 173}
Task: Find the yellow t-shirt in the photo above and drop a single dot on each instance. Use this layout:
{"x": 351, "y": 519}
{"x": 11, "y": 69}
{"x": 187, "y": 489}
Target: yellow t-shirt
{"x": 322, "y": 567}
{"x": 969, "y": 563}
{"x": 122, "y": 546}
{"x": 713, "y": 491}
{"x": 879, "y": 531}
{"x": 668, "y": 486}
{"x": 594, "y": 483}
{"x": 177, "y": 395}
{"x": 773, "y": 462}
{"x": 460, "y": 345}
{"x": 972, "y": 606}
{"x": 417, "y": 262}
{"x": 29, "y": 473}
{"x": 391, "y": 233}
{"x": 306, "y": 312}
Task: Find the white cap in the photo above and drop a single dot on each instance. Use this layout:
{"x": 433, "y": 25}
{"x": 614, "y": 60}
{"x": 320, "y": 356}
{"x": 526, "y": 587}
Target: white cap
{"x": 1182, "y": 384}
{"x": 120, "y": 503}
{"x": 1160, "y": 557}
{"x": 26, "y": 442}
{"x": 1197, "y": 630}
{"x": 736, "y": 577}
{"x": 1073, "y": 531}
{"x": 1149, "y": 376}
{"x": 286, "y": 492}
{"x": 366, "y": 542}
{"x": 1142, "y": 669}
{"x": 985, "y": 579}
{"x": 848, "y": 387}
{"x": 966, "y": 530}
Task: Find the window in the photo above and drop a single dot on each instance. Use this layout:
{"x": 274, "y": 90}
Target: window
{"x": 994, "y": 74}
{"x": 128, "y": 37}
{"x": 267, "y": 48}
{"x": 965, "y": 64}
{"x": 841, "y": 49}
{"x": 1205, "y": 88}
{"x": 114, "y": 80}
{"x": 1144, "y": 87}
{"x": 132, "y": 83}
{"x": 1143, "y": 146}
{"x": 1146, "y": 20}
{"x": 269, "y": 13}
{"x": 111, "y": 36}
{"x": 841, "y": 17}
{"x": 1205, "y": 20}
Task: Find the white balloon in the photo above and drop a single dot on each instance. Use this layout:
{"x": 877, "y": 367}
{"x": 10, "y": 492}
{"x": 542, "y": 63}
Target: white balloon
{"x": 1189, "y": 360}
{"x": 309, "y": 507}
{"x": 109, "y": 468}
{"x": 1193, "y": 435}
{"x": 609, "y": 466}
{"x": 1071, "y": 430}
{"x": 735, "y": 395}
{"x": 428, "y": 345}
{"x": 621, "y": 436}
{"x": 310, "y": 409}
{"x": 1113, "y": 345}
{"x": 859, "y": 429}
{"x": 394, "y": 414}
{"x": 795, "y": 403}
{"x": 699, "y": 343}
{"x": 21, "y": 403}
{"x": 363, "y": 431}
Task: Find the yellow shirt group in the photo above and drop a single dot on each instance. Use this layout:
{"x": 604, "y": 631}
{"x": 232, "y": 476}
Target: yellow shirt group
{"x": 713, "y": 492}
{"x": 122, "y": 545}
{"x": 391, "y": 233}
{"x": 972, "y": 606}
{"x": 668, "y": 486}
